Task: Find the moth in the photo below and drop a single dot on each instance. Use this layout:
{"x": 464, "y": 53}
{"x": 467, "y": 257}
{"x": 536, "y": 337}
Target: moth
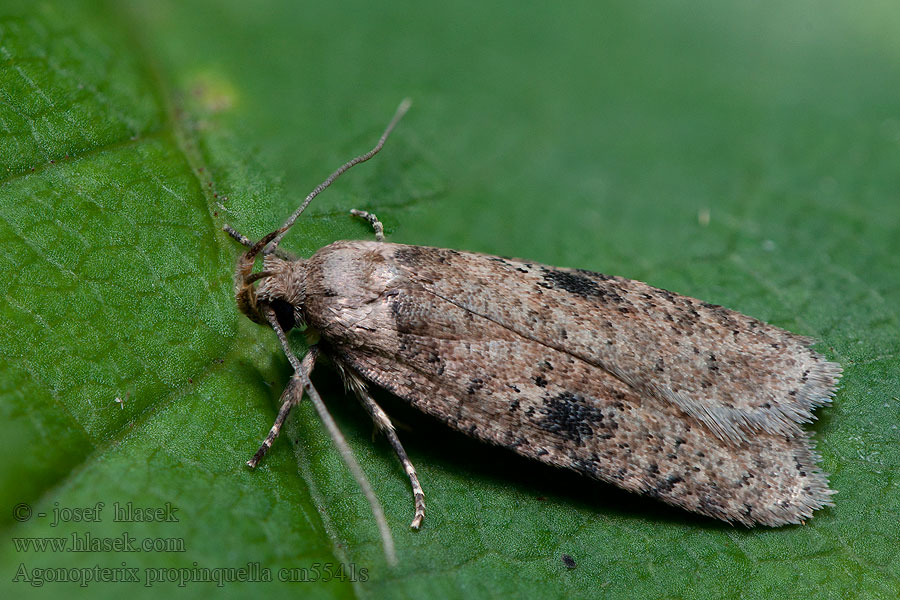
{"x": 660, "y": 394}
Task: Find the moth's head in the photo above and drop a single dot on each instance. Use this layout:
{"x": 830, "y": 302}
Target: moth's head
{"x": 282, "y": 286}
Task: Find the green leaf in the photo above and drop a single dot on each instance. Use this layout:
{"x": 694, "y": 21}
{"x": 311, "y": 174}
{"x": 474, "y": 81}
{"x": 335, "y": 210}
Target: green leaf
{"x": 743, "y": 154}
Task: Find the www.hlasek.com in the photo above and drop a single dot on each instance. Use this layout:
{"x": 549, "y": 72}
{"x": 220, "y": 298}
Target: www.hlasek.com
{"x": 182, "y": 576}
{"x": 87, "y": 542}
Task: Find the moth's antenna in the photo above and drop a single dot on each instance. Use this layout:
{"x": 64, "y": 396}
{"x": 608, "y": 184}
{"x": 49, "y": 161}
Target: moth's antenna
{"x": 281, "y": 231}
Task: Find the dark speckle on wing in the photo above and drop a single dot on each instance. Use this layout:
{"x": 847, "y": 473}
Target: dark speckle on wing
{"x": 572, "y": 282}
{"x": 569, "y": 416}
{"x": 422, "y": 256}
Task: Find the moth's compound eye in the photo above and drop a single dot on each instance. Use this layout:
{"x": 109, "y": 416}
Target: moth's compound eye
{"x": 284, "y": 311}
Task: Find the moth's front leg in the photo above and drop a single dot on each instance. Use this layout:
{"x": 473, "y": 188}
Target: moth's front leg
{"x": 333, "y": 431}
{"x": 243, "y": 239}
{"x": 237, "y": 235}
{"x": 291, "y": 397}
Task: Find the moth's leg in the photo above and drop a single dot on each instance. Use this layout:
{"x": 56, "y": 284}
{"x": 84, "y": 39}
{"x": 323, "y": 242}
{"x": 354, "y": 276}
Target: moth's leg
{"x": 346, "y": 454}
{"x": 383, "y": 422}
{"x": 237, "y": 235}
{"x": 290, "y": 398}
{"x": 243, "y": 239}
{"x": 373, "y": 220}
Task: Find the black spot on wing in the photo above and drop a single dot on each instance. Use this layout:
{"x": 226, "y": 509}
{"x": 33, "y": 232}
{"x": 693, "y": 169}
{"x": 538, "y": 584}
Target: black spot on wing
{"x": 569, "y": 416}
{"x": 665, "y": 486}
{"x": 572, "y": 282}
{"x": 596, "y": 275}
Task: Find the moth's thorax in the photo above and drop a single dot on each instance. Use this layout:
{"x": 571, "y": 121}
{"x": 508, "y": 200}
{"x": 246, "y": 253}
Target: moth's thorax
{"x": 346, "y": 286}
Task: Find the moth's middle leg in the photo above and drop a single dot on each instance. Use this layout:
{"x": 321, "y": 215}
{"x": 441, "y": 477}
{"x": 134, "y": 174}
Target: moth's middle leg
{"x": 373, "y": 220}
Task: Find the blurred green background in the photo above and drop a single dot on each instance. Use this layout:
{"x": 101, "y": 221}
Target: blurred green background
{"x": 743, "y": 153}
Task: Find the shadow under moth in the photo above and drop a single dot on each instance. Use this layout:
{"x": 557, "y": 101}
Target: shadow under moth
{"x": 655, "y": 392}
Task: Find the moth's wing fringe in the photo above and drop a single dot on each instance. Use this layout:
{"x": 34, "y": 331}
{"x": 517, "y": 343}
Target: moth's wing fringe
{"x": 784, "y": 418}
{"x": 797, "y": 510}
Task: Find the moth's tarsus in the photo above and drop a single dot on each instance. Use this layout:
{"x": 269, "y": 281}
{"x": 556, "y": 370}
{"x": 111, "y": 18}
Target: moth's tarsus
{"x": 291, "y": 397}
{"x": 240, "y": 237}
{"x": 373, "y": 221}
{"x": 383, "y": 422}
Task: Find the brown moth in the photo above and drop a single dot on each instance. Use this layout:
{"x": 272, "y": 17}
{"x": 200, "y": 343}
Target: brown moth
{"x": 655, "y": 392}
